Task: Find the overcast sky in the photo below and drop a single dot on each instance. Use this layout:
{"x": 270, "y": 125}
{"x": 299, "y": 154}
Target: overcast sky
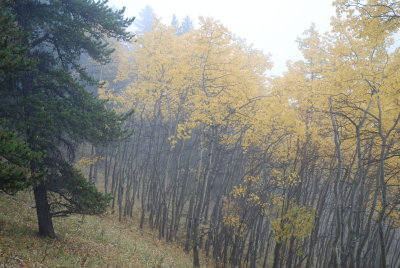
{"x": 272, "y": 26}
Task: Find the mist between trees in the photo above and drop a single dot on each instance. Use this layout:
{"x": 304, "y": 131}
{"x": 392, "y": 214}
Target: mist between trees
{"x": 300, "y": 170}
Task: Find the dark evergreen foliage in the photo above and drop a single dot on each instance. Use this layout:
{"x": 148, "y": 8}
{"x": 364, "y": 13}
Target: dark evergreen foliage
{"x": 48, "y": 104}
{"x": 15, "y": 156}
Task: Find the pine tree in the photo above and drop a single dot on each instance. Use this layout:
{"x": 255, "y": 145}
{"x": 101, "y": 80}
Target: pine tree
{"x": 14, "y": 153}
{"x": 175, "y": 22}
{"x": 145, "y": 20}
{"x": 186, "y": 26}
{"x": 48, "y": 105}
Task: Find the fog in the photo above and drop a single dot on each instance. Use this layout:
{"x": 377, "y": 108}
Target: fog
{"x": 272, "y": 26}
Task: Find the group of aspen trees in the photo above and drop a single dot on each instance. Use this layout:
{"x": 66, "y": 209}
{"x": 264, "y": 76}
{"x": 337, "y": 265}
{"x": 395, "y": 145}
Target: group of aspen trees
{"x": 252, "y": 170}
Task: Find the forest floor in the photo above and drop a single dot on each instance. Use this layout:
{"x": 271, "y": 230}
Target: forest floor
{"x": 82, "y": 241}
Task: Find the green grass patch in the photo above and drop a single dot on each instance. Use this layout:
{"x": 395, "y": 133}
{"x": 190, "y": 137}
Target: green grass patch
{"x": 82, "y": 241}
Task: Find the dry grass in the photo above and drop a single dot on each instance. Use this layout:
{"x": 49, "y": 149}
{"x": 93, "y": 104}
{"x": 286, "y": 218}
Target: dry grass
{"x": 89, "y": 241}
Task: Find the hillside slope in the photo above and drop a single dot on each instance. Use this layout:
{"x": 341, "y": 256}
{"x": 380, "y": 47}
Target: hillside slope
{"x": 89, "y": 241}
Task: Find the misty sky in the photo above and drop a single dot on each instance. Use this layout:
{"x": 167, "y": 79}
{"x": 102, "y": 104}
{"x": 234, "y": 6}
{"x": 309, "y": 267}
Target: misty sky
{"x": 272, "y": 26}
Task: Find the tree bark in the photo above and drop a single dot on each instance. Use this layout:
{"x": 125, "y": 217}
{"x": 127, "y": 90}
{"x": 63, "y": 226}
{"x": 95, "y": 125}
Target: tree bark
{"x": 45, "y": 221}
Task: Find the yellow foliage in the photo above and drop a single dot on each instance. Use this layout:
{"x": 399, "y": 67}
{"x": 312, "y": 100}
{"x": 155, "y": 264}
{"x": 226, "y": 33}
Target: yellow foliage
{"x": 296, "y": 222}
{"x": 87, "y": 161}
{"x": 231, "y": 214}
{"x": 206, "y": 82}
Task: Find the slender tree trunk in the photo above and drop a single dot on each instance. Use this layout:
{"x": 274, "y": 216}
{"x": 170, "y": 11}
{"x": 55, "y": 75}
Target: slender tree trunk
{"x": 277, "y": 252}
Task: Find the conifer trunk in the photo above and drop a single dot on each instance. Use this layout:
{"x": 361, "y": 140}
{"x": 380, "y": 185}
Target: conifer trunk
{"x": 45, "y": 221}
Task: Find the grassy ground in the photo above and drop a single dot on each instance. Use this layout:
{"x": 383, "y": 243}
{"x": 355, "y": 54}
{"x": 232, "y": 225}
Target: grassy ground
{"x": 88, "y": 241}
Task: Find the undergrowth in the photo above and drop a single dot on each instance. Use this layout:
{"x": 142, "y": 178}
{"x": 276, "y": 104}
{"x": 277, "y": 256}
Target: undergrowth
{"x": 82, "y": 241}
